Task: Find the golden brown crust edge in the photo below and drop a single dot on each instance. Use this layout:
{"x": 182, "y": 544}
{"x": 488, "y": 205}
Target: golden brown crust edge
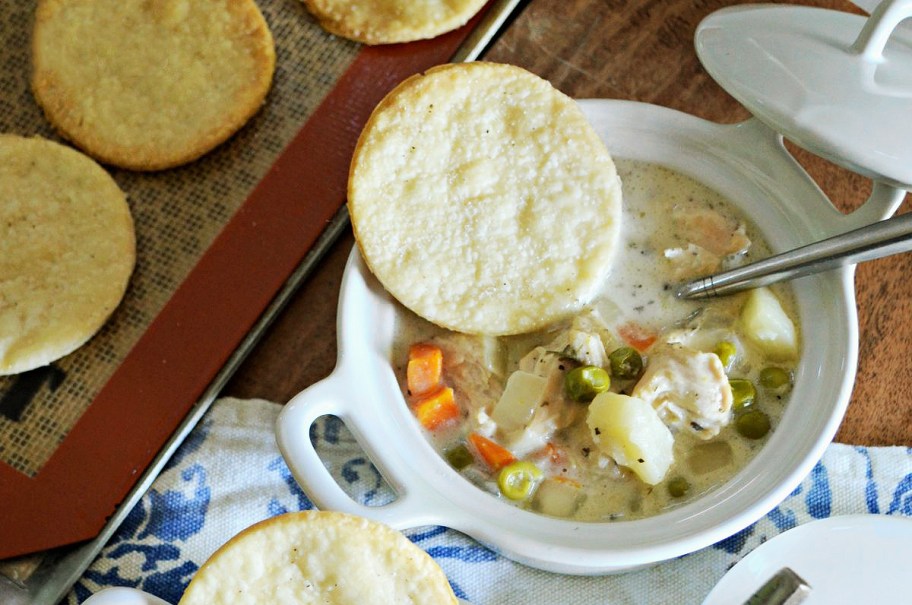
{"x": 382, "y": 35}
{"x": 321, "y": 517}
{"x": 42, "y": 349}
{"x": 58, "y": 112}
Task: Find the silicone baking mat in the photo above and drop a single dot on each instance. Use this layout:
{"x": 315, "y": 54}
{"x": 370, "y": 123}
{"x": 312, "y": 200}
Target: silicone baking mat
{"x": 177, "y": 214}
{"x": 216, "y": 240}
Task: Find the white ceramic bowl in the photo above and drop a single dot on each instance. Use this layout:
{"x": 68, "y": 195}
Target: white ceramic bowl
{"x": 748, "y": 164}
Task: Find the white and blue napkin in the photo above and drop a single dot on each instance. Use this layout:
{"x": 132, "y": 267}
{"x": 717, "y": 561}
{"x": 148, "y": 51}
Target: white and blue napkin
{"x": 229, "y": 474}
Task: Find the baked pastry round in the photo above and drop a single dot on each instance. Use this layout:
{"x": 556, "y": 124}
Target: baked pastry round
{"x": 389, "y": 21}
{"x": 67, "y": 251}
{"x": 313, "y": 557}
{"x": 150, "y": 84}
{"x": 483, "y": 200}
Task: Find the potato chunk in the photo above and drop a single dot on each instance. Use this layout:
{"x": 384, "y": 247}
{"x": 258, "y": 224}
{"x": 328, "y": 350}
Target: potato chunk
{"x": 521, "y": 397}
{"x": 631, "y": 432}
{"x": 767, "y": 325}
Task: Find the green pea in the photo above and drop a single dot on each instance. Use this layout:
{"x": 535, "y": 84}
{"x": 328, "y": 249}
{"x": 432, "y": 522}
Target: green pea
{"x": 459, "y": 456}
{"x": 753, "y": 424}
{"x": 519, "y": 479}
{"x": 775, "y": 378}
{"x": 625, "y": 362}
{"x": 743, "y": 393}
{"x": 584, "y": 383}
{"x": 678, "y": 487}
{"x": 727, "y": 353}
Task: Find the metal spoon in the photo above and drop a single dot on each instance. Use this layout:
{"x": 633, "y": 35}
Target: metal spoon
{"x": 883, "y": 238}
{"x": 784, "y": 588}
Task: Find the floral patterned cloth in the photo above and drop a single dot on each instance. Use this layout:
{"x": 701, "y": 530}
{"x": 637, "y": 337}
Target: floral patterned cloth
{"x": 229, "y": 474}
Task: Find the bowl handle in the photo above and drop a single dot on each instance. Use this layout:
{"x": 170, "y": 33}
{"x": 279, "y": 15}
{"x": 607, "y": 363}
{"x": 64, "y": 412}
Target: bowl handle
{"x": 414, "y": 504}
{"x": 881, "y": 203}
{"x": 872, "y": 39}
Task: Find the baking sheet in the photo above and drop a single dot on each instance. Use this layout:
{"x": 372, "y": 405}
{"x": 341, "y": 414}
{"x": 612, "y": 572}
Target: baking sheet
{"x": 177, "y": 214}
{"x": 216, "y": 240}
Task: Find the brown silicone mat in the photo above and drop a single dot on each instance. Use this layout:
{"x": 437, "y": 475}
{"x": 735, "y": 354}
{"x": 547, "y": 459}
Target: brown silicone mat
{"x": 177, "y": 213}
{"x": 216, "y": 240}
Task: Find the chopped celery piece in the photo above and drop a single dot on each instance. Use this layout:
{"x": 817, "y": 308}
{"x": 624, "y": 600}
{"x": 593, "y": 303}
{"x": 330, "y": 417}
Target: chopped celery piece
{"x": 522, "y": 395}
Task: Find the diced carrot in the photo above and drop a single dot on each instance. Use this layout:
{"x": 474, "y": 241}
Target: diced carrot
{"x": 549, "y": 452}
{"x": 425, "y": 369}
{"x": 494, "y": 455}
{"x": 436, "y": 409}
{"x": 637, "y": 336}
{"x": 567, "y": 481}
{"x": 555, "y": 454}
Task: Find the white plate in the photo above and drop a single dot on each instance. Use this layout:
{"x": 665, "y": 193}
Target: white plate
{"x": 849, "y": 559}
{"x": 123, "y": 595}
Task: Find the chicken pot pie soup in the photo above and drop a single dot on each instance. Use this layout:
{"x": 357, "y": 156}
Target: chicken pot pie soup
{"x": 638, "y": 403}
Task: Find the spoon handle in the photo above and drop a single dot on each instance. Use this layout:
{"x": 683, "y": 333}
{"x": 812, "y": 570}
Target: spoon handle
{"x": 883, "y": 238}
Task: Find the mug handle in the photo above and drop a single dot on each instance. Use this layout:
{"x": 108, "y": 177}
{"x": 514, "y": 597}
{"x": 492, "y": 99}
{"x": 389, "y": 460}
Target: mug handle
{"x": 334, "y": 396}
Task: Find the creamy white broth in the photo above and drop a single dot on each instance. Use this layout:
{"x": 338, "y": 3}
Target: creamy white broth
{"x": 639, "y": 286}
{"x": 639, "y": 290}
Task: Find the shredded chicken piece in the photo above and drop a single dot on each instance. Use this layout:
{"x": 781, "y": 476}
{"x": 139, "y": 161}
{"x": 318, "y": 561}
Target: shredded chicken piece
{"x": 701, "y": 240}
{"x": 692, "y": 261}
{"x": 555, "y": 412}
{"x": 467, "y": 363}
{"x": 550, "y": 362}
{"x": 712, "y": 231}
{"x": 688, "y": 388}
{"x": 581, "y": 341}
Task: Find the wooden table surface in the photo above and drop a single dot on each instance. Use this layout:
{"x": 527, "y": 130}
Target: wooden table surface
{"x": 643, "y": 51}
